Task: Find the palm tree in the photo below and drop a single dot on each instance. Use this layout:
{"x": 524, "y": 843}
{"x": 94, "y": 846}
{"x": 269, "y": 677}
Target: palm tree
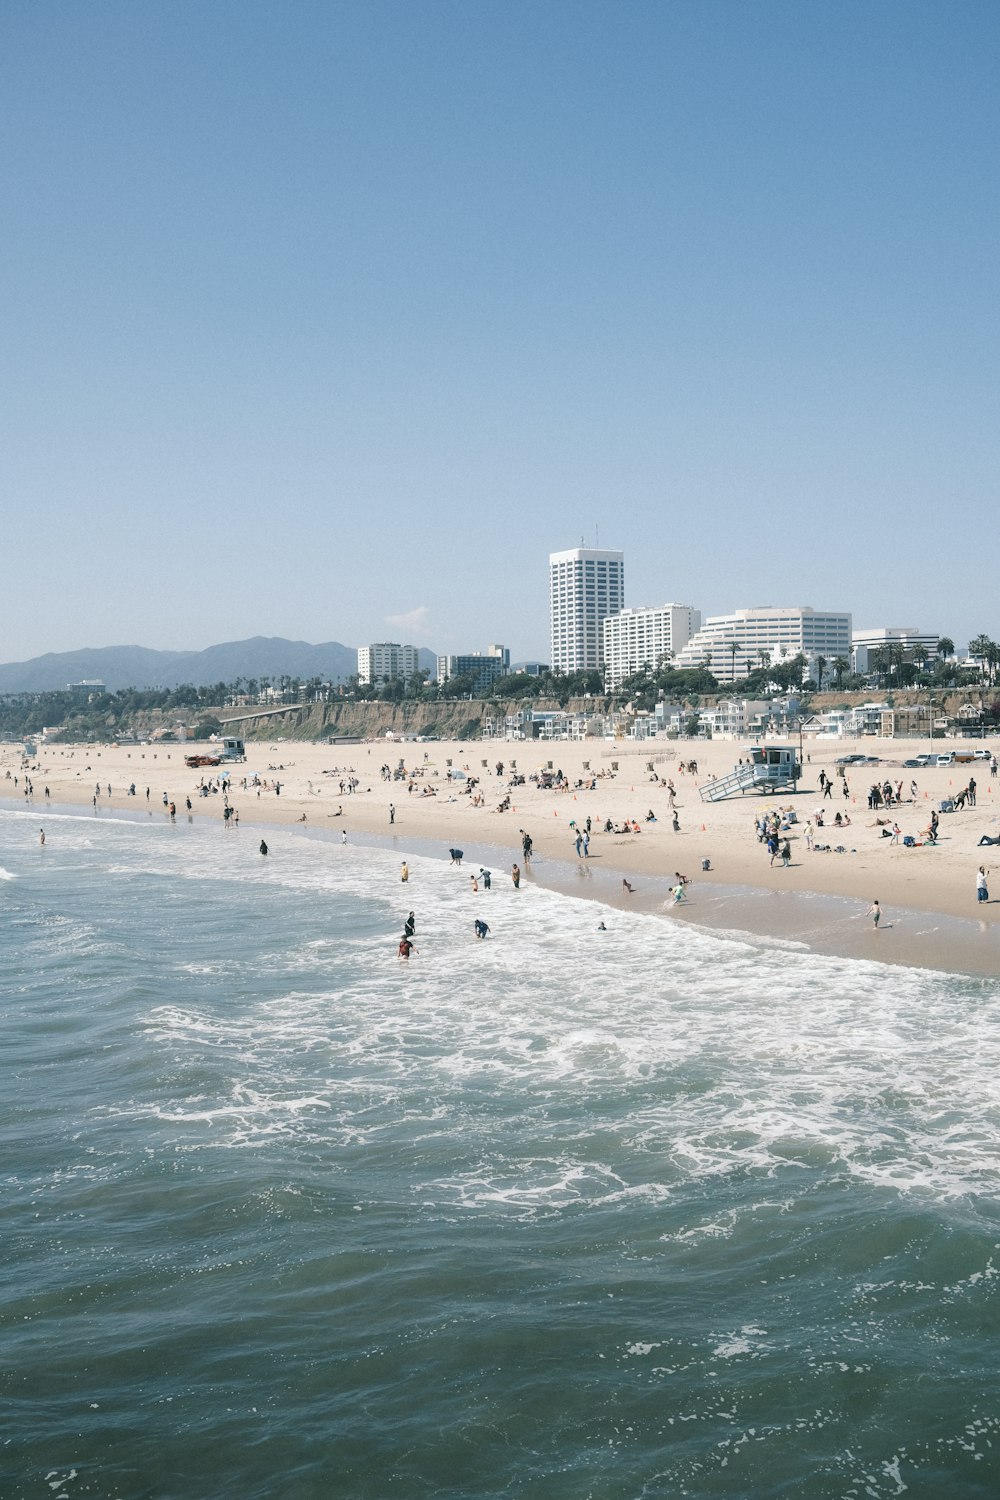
{"x": 840, "y": 666}
{"x": 820, "y": 669}
{"x": 734, "y": 648}
{"x": 945, "y": 647}
{"x": 764, "y": 657}
{"x": 981, "y": 648}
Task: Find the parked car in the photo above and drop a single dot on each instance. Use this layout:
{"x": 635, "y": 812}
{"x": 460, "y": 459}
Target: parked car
{"x": 925, "y": 760}
{"x": 850, "y": 760}
{"x": 983, "y": 754}
{"x": 947, "y": 758}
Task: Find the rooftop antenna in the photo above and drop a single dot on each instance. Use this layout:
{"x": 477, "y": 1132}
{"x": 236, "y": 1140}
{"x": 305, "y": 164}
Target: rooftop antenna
{"x": 597, "y": 537}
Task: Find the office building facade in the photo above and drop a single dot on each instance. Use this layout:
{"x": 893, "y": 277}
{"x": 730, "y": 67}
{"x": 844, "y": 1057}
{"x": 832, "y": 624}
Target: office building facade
{"x": 485, "y": 667}
{"x": 906, "y": 637}
{"x": 585, "y": 586}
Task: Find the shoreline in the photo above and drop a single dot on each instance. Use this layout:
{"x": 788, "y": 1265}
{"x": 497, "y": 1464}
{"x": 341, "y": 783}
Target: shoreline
{"x": 415, "y": 795}
{"x": 804, "y": 920}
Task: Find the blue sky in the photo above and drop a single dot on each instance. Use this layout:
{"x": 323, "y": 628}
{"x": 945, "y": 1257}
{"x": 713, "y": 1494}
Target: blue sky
{"x": 332, "y": 320}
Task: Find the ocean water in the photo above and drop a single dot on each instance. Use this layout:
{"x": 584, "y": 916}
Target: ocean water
{"x": 561, "y": 1214}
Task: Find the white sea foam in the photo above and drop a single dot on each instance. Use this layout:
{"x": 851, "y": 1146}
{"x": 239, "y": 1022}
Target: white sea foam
{"x": 693, "y": 1056}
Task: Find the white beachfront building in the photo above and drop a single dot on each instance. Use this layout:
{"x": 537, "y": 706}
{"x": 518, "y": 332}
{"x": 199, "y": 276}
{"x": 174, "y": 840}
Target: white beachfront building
{"x": 737, "y": 718}
{"x": 865, "y": 642}
{"x": 585, "y": 586}
{"x": 384, "y": 660}
{"x": 637, "y": 638}
{"x": 731, "y": 646}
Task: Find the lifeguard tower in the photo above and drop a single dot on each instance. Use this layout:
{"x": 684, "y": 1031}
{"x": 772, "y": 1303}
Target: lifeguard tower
{"x": 771, "y": 768}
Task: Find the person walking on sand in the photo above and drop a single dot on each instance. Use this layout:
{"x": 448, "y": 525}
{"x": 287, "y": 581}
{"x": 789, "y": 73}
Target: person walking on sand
{"x": 392, "y": 813}
{"x": 982, "y": 884}
{"x": 875, "y": 912}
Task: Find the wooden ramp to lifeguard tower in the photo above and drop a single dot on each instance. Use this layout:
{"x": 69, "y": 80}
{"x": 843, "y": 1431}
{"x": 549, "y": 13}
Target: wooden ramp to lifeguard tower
{"x": 776, "y": 769}
{"x": 743, "y": 779}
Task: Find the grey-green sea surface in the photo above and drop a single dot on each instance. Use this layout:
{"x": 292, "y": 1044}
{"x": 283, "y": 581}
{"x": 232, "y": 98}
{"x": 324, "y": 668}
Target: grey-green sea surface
{"x": 560, "y": 1214}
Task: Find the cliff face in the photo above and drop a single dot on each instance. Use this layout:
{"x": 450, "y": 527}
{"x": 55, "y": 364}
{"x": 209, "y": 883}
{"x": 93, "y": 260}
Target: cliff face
{"x": 444, "y": 721}
{"x": 452, "y": 721}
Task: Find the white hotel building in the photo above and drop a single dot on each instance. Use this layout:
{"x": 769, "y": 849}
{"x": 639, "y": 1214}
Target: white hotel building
{"x": 778, "y": 632}
{"x": 636, "y": 638}
{"x": 585, "y": 586}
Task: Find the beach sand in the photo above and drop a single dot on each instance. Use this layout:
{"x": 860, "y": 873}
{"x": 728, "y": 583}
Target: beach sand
{"x": 927, "y": 893}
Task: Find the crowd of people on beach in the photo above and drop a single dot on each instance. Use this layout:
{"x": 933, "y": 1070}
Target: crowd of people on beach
{"x": 888, "y": 799}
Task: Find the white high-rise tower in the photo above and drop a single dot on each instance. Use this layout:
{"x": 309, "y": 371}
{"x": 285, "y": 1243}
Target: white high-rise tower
{"x": 585, "y": 586}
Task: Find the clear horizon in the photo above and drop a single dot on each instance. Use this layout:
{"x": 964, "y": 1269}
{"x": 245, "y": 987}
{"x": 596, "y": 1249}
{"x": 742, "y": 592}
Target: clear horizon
{"x": 332, "y": 322}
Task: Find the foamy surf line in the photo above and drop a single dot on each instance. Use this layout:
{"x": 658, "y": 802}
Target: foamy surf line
{"x": 806, "y": 920}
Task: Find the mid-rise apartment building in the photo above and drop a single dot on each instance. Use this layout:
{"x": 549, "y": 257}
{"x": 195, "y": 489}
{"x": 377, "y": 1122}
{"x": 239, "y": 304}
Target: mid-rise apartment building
{"x": 384, "y": 660}
{"x": 637, "y": 638}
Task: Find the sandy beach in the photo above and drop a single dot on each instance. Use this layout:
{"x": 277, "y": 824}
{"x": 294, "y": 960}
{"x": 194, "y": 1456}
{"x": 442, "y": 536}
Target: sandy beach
{"x": 927, "y": 892}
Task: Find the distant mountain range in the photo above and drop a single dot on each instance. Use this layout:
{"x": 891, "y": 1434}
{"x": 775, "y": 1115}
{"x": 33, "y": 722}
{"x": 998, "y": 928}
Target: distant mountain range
{"x": 138, "y": 667}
